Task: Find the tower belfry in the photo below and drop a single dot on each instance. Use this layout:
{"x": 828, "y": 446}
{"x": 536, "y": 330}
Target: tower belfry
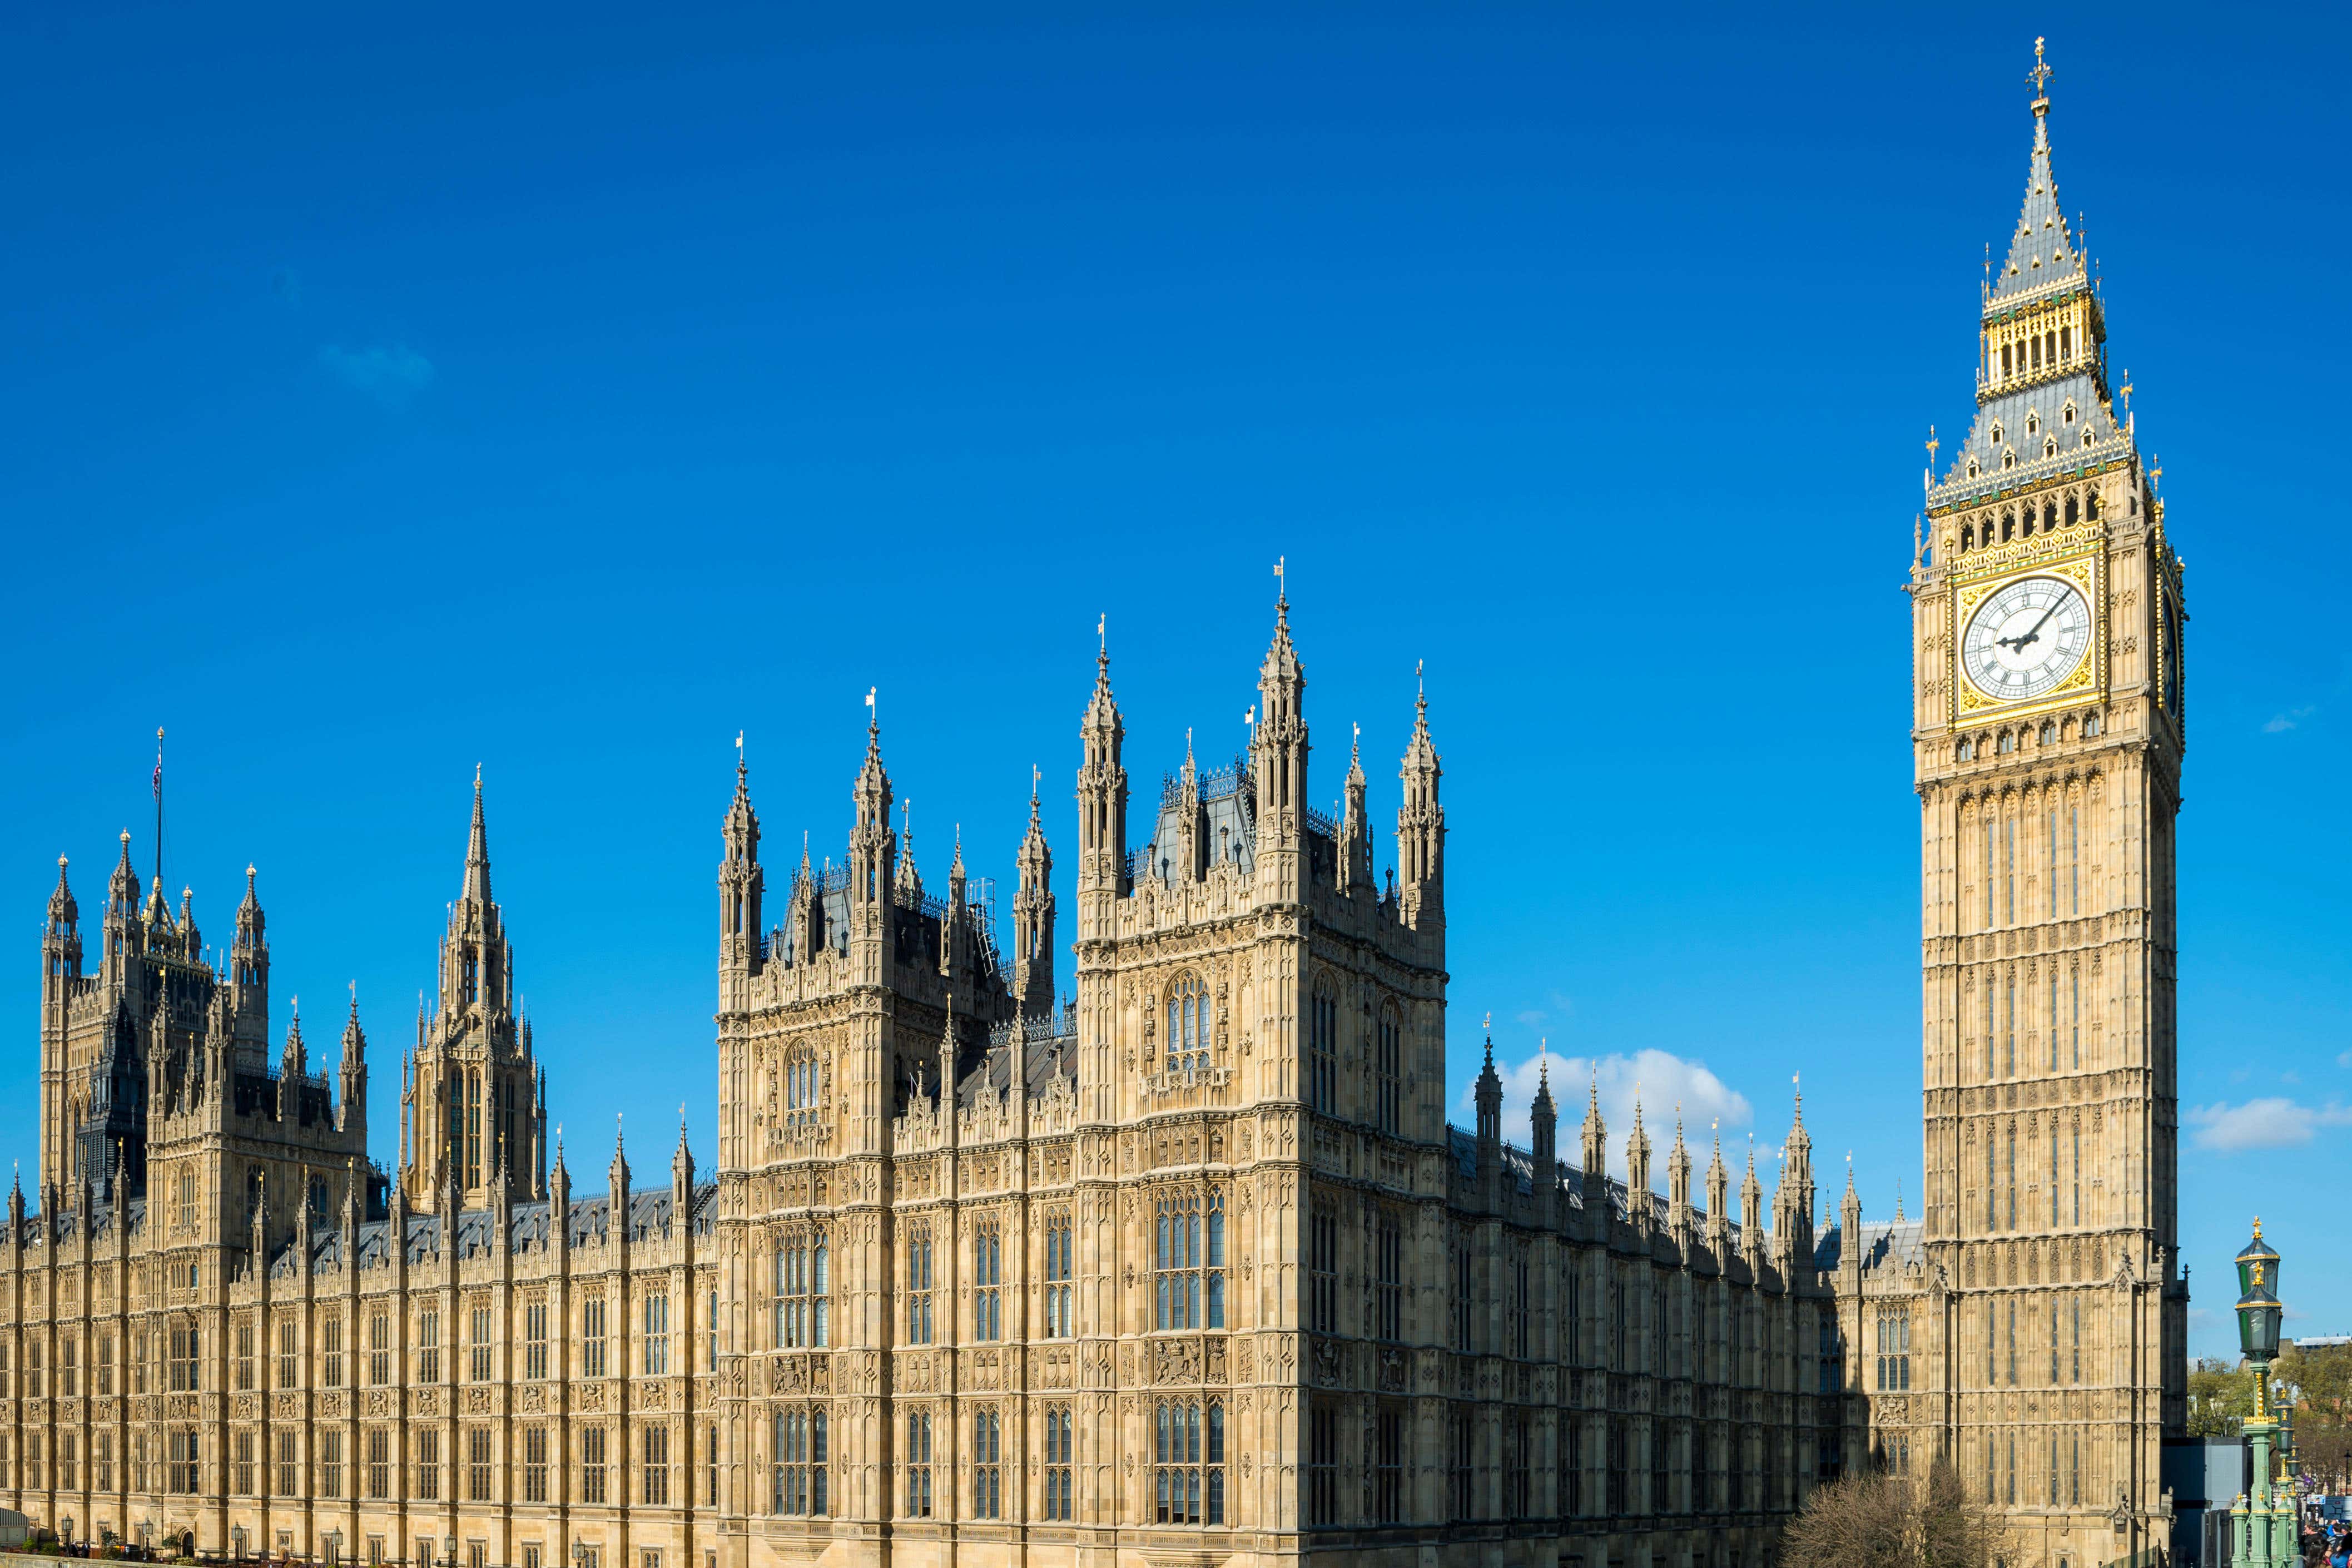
{"x": 2048, "y": 735}
{"x": 473, "y": 1105}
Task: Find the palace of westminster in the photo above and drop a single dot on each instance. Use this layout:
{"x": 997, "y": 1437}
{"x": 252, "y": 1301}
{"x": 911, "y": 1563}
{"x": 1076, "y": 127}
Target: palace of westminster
{"x": 1185, "y": 1268}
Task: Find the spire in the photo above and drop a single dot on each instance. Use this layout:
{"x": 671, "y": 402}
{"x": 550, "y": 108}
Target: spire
{"x": 1543, "y": 1123}
{"x": 355, "y": 1038}
{"x": 123, "y": 888}
{"x": 681, "y": 1163}
{"x": 2043, "y": 252}
{"x": 1490, "y": 1105}
{"x": 477, "y": 849}
{"x": 618, "y": 1172}
{"x": 1421, "y": 820}
{"x": 1033, "y": 916}
{"x": 63, "y": 912}
{"x": 297, "y": 1057}
{"x": 1596, "y": 1134}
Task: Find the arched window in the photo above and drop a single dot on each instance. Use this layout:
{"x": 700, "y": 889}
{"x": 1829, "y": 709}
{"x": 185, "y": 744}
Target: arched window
{"x": 1964, "y": 751}
{"x": 2007, "y": 525}
{"x": 1388, "y": 1066}
{"x": 2074, "y": 511}
{"x": 1188, "y": 1453}
{"x": 2091, "y": 500}
{"x": 2007, "y": 742}
{"x": 2091, "y": 725}
{"x": 1190, "y": 1025}
{"x": 2048, "y": 736}
{"x": 800, "y": 1083}
{"x": 1967, "y": 536}
{"x": 1323, "y": 1050}
{"x": 2049, "y": 511}
{"x": 1188, "y": 1261}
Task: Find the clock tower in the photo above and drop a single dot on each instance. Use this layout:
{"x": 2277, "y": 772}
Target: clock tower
{"x": 2047, "y": 732}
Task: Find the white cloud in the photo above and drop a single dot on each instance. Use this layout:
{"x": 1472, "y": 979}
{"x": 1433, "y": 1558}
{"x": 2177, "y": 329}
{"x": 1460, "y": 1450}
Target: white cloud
{"x": 2274, "y": 1122}
{"x": 391, "y": 373}
{"x": 2345, "y": 1059}
{"x": 2287, "y": 720}
{"x": 1663, "y": 1082}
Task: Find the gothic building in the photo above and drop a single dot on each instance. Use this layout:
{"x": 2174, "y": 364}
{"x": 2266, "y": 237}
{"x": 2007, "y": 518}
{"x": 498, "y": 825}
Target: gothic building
{"x": 1184, "y": 1265}
{"x": 2032, "y": 1321}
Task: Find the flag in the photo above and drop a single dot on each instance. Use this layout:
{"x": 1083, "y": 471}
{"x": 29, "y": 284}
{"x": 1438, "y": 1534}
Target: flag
{"x": 869, "y": 696}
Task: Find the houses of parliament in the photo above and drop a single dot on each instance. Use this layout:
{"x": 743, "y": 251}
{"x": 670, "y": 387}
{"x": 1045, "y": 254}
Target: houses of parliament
{"x": 1186, "y": 1267}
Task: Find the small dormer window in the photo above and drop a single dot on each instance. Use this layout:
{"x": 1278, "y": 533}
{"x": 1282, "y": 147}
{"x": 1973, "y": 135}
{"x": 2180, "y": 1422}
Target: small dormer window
{"x": 2032, "y": 424}
{"x": 2009, "y": 459}
{"x": 1996, "y": 433}
{"x": 2049, "y": 447}
{"x": 2087, "y": 435}
{"x": 2066, "y": 417}
{"x": 1972, "y": 468}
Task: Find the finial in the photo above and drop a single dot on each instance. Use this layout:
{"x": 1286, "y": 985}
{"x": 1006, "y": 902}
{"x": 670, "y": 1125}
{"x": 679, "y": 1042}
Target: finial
{"x": 356, "y": 997}
{"x": 1543, "y": 1059}
{"x": 1281, "y": 588}
{"x": 2039, "y": 76}
{"x": 2155, "y": 473}
{"x": 2258, "y": 1227}
{"x": 1035, "y": 777}
{"x": 873, "y": 715}
{"x": 1102, "y": 632}
{"x": 739, "y": 756}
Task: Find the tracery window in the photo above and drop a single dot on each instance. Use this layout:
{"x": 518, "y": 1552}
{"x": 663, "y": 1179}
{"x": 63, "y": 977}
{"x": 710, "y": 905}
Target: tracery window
{"x": 592, "y": 1337}
{"x": 1191, "y": 1026}
{"x": 428, "y": 1345}
{"x": 1388, "y": 1291}
{"x": 534, "y": 1340}
{"x": 918, "y": 1465}
{"x": 1323, "y": 1271}
{"x": 1894, "y": 1351}
{"x": 331, "y": 1358}
{"x": 534, "y": 1464}
{"x": 988, "y": 1281}
{"x": 1059, "y": 1275}
{"x": 653, "y": 1464}
{"x": 380, "y": 1349}
{"x": 1188, "y": 1261}
{"x": 919, "y": 1285}
{"x": 802, "y": 1293}
{"x": 1323, "y": 1051}
{"x": 1058, "y": 1462}
{"x": 800, "y": 1462}
{"x": 428, "y": 1464}
{"x": 1187, "y": 1461}
{"x": 1387, "y": 1065}
{"x": 657, "y": 1333}
{"x": 478, "y": 1367}
{"x": 593, "y": 1473}
{"x": 987, "y": 1465}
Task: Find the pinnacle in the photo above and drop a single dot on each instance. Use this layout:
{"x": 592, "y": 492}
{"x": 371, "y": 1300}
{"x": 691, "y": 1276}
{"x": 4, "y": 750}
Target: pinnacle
{"x": 478, "y": 850}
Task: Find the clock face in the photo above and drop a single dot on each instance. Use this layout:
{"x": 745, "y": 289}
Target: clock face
{"x": 2026, "y": 638}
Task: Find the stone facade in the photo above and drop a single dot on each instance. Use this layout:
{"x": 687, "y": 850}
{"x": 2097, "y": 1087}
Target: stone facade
{"x": 1186, "y": 1267}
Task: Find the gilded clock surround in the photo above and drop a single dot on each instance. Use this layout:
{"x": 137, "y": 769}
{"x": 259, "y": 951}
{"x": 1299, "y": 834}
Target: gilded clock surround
{"x": 2088, "y": 678}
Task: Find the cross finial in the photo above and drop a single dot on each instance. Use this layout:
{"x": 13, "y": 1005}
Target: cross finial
{"x": 2155, "y": 473}
{"x": 1102, "y": 630}
{"x": 2039, "y": 75}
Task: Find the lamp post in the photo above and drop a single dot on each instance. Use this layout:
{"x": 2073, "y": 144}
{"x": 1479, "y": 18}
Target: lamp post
{"x": 2264, "y": 1521}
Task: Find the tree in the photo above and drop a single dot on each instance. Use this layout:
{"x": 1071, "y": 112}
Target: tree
{"x": 2220, "y": 1397}
{"x": 1878, "y": 1521}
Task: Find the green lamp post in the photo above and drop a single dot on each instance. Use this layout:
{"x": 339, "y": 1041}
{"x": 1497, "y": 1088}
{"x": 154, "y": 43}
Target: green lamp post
{"x": 2263, "y": 1519}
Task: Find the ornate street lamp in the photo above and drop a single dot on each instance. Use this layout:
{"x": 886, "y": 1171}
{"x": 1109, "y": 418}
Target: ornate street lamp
{"x": 2264, "y": 1521}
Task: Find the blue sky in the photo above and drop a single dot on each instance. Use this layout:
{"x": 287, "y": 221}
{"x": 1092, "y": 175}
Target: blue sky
{"x": 566, "y": 391}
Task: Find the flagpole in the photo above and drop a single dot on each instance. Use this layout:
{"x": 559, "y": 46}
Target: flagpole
{"x": 159, "y": 805}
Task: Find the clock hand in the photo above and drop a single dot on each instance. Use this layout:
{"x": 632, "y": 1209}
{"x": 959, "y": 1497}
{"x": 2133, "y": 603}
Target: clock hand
{"x": 2034, "y": 633}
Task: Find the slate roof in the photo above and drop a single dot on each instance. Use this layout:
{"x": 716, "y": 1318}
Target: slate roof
{"x": 2043, "y": 258}
{"x": 526, "y": 1227}
{"x": 1885, "y": 1244}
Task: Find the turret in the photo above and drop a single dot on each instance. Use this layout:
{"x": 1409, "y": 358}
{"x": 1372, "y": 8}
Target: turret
{"x": 350, "y": 1080}
{"x": 122, "y": 919}
{"x": 293, "y": 1065}
{"x": 249, "y": 967}
{"x": 1355, "y": 825}
{"x": 681, "y": 1183}
{"x": 1596, "y": 1158}
{"x": 60, "y": 939}
{"x": 1421, "y": 828}
{"x": 1032, "y": 919}
{"x": 1102, "y": 807}
{"x": 1490, "y": 1094}
{"x": 741, "y": 884}
{"x": 873, "y": 859}
{"x": 1678, "y": 1187}
{"x": 1279, "y": 764}
{"x": 192, "y": 941}
{"x": 1543, "y": 1119}
{"x": 1792, "y": 1200}
{"x": 1751, "y": 1209}
{"x": 1850, "y": 1223}
{"x": 1640, "y": 1199}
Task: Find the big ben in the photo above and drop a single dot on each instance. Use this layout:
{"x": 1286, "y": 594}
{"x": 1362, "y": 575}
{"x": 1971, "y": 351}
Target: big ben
{"x": 2048, "y": 732}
